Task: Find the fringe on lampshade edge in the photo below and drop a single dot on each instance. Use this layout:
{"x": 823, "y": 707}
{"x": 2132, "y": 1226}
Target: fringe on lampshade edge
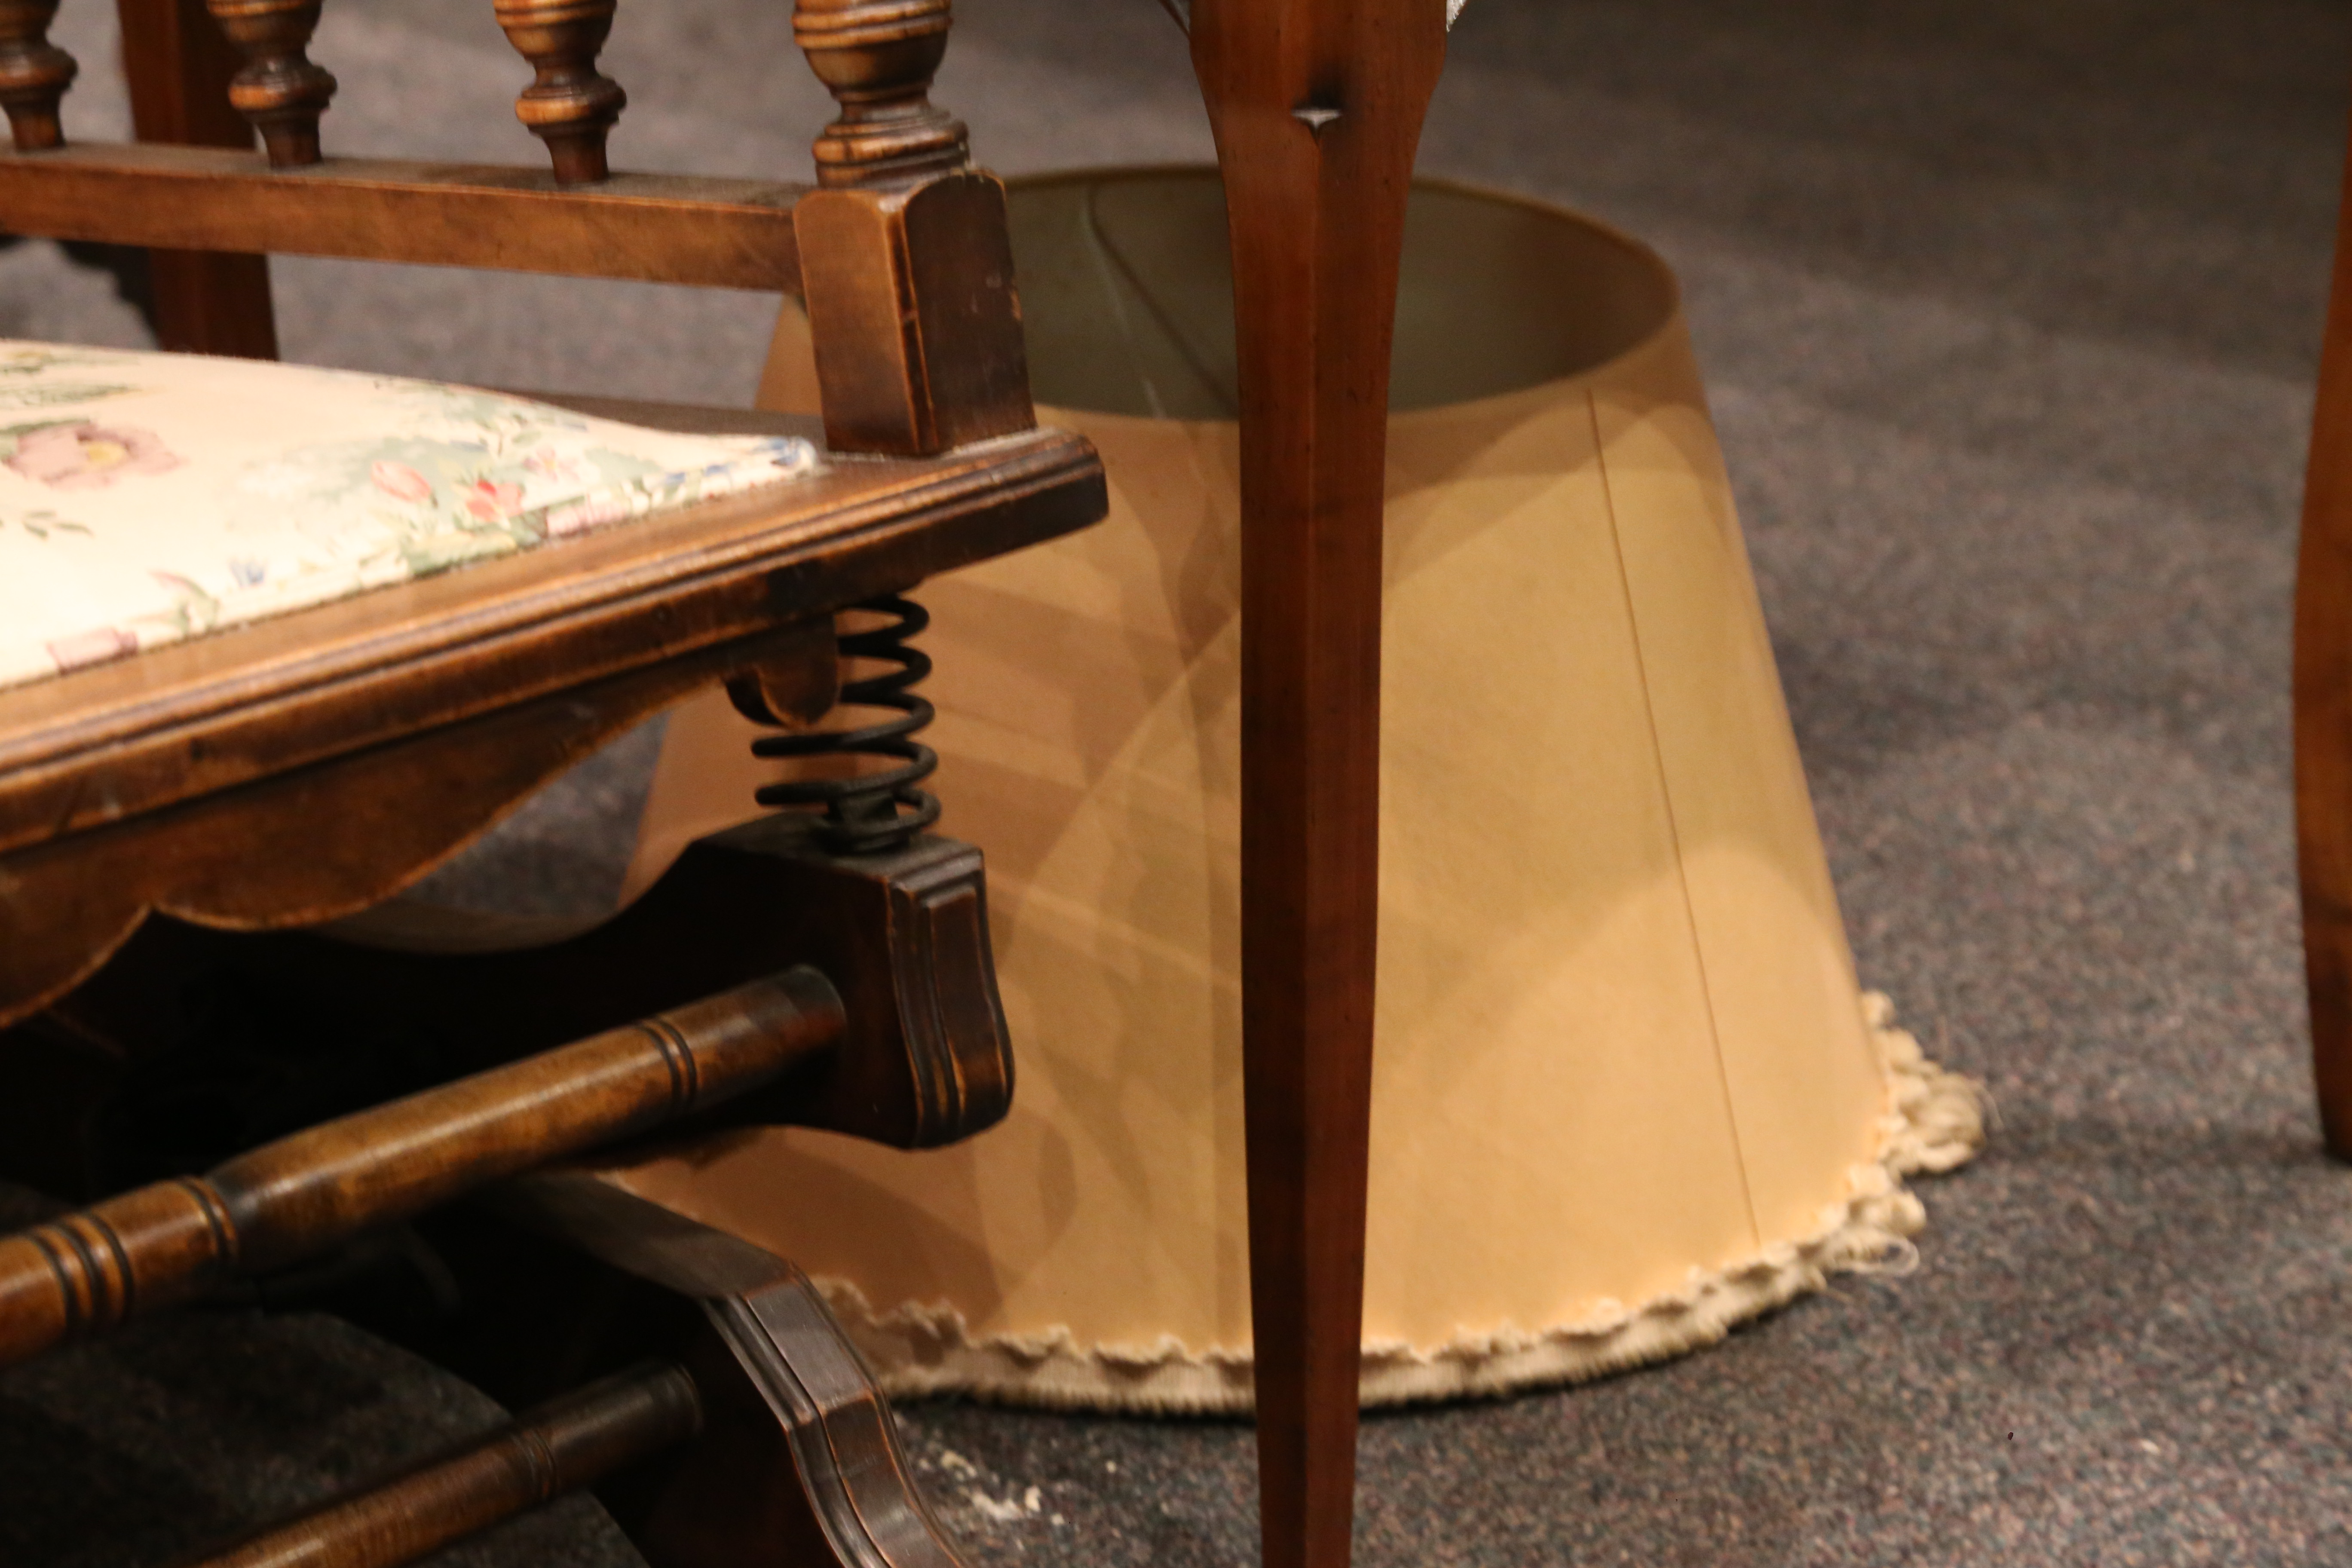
{"x": 1934, "y": 1123}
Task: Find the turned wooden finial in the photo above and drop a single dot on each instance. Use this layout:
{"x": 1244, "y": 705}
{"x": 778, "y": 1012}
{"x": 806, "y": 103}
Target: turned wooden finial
{"x": 876, "y": 57}
{"x": 33, "y": 74}
{"x": 570, "y": 106}
{"x": 280, "y": 89}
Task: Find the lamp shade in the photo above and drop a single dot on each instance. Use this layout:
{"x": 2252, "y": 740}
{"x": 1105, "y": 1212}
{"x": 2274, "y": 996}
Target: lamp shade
{"x": 1626, "y": 1090}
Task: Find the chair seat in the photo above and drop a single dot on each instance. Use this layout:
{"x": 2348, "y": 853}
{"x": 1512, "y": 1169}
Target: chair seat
{"x": 149, "y": 498}
{"x": 112, "y": 739}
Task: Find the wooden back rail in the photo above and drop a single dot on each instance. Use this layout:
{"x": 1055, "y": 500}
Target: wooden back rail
{"x": 900, "y": 255}
{"x": 563, "y": 1446}
{"x": 174, "y": 1241}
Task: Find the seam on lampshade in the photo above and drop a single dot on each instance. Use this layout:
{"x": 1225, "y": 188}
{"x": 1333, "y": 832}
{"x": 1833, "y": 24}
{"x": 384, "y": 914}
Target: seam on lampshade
{"x": 1933, "y": 1122}
{"x": 1674, "y": 818}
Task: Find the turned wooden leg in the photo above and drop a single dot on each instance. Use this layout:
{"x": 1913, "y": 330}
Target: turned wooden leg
{"x": 1316, "y": 106}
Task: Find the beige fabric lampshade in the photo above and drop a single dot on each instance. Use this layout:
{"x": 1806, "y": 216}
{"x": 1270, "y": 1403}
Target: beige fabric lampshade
{"x": 1626, "y": 1090}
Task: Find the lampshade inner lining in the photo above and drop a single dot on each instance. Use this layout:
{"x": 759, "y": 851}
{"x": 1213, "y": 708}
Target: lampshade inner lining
{"x": 1140, "y": 260}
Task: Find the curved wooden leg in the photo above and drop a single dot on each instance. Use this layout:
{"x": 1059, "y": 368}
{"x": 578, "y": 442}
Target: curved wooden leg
{"x": 2323, "y": 711}
{"x": 754, "y": 1437}
{"x": 1317, "y": 107}
{"x": 798, "y": 1464}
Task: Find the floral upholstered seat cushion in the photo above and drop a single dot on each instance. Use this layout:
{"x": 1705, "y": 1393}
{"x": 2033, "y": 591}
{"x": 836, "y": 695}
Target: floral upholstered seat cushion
{"x": 147, "y": 498}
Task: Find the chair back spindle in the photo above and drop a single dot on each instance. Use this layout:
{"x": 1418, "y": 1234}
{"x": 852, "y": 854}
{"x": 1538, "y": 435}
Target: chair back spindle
{"x": 878, "y": 57}
{"x": 570, "y": 106}
{"x": 280, "y": 90}
{"x": 906, "y": 266}
{"x": 33, "y": 74}
{"x": 900, "y": 253}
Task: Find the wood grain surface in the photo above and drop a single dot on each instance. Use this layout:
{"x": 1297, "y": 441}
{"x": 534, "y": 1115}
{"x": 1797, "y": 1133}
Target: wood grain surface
{"x": 657, "y": 228}
{"x": 878, "y": 57}
{"x": 1317, "y": 107}
{"x": 170, "y": 1242}
{"x": 925, "y": 1058}
{"x": 322, "y": 840}
{"x": 570, "y": 104}
{"x": 279, "y": 89}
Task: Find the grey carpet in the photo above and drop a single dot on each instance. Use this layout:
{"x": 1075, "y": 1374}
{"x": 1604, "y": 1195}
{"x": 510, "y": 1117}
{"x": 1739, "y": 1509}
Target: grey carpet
{"x": 2009, "y": 311}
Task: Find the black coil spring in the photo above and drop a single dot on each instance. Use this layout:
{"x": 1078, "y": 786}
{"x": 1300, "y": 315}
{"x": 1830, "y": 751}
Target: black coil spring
{"x": 862, "y": 814}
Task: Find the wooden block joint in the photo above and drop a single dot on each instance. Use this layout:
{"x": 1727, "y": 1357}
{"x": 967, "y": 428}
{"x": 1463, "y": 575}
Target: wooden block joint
{"x": 914, "y": 315}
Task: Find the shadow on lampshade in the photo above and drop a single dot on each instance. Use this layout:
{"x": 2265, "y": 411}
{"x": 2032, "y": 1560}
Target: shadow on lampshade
{"x": 1626, "y": 1090}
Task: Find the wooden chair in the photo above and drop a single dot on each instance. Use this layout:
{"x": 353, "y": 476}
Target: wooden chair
{"x": 192, "y": 814}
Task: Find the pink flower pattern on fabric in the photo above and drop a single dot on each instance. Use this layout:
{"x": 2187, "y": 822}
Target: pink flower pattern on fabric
{"x": 493, "y": 500}
{"x": 399, "y": 480}
{"x": 123, "y": 537}
{"x": 548, "y": 463}
{"x": 83, "y": 455}
{"x": 98, "y": 647}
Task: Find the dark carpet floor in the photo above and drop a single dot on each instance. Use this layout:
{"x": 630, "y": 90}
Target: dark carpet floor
{"x": 2010, "y": 311}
